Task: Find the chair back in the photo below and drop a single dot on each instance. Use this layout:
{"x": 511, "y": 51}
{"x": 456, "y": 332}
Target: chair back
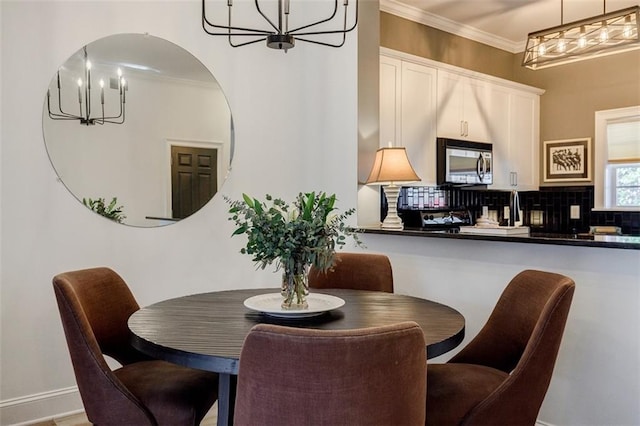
{"x": 296, "y": 376}
{"x": 94, "y": 306}
{"x": 357, "y": 271}
{"x": 521, "y": 337}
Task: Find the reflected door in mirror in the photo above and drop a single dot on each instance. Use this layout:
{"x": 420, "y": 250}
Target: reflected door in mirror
{"x": 193, "y": 179}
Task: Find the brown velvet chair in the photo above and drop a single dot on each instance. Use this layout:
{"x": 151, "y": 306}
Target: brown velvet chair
{"x": 358, "y": 271}
{"x": 296, "y": 376}
{"x": 502, "y": 375}
{"x": 95, "y": 305}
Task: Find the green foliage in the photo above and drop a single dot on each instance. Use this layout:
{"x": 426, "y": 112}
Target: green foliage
{"x": 109, "y": 211}
{"x": 305, "y": 232}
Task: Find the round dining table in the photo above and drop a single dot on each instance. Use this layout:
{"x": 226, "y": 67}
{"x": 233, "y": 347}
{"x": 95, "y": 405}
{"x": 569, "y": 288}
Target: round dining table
{"x": 207, "y": 330}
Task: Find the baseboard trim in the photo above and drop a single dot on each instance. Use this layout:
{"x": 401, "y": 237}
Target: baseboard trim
{"x": 40, "y": 407}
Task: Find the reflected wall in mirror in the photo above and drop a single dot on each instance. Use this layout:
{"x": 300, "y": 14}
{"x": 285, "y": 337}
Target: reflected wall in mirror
{"x": 174, "y": 149}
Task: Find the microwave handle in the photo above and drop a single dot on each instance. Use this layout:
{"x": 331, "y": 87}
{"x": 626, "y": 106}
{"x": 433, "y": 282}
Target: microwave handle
{"x": 481, "y": 167}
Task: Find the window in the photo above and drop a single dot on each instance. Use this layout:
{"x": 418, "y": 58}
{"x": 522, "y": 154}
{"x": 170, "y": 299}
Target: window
{"x": 617, "y": 159}
{"x": 623, "y": 189}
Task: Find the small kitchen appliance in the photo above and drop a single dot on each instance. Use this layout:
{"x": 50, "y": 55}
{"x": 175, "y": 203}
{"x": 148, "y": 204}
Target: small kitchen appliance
{"x": 464, "y": 163}
{"x": 441, "y": 220}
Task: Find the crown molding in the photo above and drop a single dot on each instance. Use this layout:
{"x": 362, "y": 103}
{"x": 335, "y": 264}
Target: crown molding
{"x": 414, "y": 14}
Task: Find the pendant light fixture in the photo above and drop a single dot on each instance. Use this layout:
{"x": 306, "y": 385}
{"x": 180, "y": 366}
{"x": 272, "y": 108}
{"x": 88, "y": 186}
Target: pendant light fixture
{"x": 599, "y": 35}
{"x": 276, "y": 31}
{"x": 85, "y": 86}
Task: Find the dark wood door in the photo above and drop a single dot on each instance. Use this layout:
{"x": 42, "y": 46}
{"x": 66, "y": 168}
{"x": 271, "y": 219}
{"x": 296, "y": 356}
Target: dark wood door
{"x": 193, "y": 179}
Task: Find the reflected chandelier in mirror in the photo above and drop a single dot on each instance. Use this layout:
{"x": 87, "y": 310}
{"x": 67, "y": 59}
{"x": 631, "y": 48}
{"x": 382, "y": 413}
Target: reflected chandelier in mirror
{"x": 173, "y": 152}
{"x": 85, "y": 87}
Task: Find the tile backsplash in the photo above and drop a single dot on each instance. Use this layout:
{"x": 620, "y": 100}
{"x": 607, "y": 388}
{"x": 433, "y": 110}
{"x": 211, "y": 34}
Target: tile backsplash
{"x": 548, "y": 210}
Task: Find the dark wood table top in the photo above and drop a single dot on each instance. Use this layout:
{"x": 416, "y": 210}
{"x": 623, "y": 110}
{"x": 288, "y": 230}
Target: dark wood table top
{"x": 207, "y": 330}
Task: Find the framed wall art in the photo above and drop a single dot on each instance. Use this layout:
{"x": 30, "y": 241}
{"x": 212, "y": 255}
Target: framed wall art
{"x": 567, "y": 160}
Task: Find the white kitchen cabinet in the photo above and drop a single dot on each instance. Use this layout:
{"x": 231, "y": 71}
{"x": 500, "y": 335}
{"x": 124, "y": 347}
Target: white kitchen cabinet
{"x": 421, "y": 100}
{"x": 499, "y": 134}
{"x": 524, "y": 140}
{"x": 515, "y": 138}
{"x": 390, "y": 89}
{"x": 463, "y": 107}
{"x": 408, "y": 113}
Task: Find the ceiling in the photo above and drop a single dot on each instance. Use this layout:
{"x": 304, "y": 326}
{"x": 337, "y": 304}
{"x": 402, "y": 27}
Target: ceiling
{"x": 499, "y": 23}
{"x": 148, "y": 54}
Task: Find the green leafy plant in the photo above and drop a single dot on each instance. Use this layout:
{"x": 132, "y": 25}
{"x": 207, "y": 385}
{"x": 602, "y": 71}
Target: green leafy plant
{"x": 110, "y": 211}
{"x": 305, "y": 232}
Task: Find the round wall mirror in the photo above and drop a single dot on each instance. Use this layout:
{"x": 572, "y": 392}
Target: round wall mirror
{"x": 138, "y": 130}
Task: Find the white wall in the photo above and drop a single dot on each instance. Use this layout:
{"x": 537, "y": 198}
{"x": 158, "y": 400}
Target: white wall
{"x": 296, "y": 130}
{"x": 596, "y": 380}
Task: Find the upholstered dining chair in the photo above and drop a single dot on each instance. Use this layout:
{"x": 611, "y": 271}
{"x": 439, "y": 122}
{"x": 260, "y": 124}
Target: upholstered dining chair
{"x": 95, "y": 305}
{"x": 502, "y": 375}
{"x": 297, "y": 376}
{"x": 357, "y": 271}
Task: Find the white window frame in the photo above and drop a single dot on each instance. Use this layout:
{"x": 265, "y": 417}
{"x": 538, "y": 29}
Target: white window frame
{"x": 600, "y": 153}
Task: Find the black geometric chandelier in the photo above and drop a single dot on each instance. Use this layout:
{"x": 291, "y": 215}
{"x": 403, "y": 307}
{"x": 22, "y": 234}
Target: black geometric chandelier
{"x": 588, "y": 38}
{"x": 277, "y": 33}
{"x": 85, "y": 87}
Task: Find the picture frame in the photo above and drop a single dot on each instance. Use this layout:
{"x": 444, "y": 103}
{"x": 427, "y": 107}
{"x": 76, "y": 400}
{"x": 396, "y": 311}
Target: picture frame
{"x": 567, "y": 160}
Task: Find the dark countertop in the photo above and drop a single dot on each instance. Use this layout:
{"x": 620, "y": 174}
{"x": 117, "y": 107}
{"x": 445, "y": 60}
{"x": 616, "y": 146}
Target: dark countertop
{"x": 581, "y": 240}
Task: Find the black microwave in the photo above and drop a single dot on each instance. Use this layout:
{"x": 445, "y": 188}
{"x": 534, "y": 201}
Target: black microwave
{"x": 464, "y": 163}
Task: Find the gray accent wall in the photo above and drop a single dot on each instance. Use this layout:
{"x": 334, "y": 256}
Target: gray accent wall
{"x": 417, "y": 39}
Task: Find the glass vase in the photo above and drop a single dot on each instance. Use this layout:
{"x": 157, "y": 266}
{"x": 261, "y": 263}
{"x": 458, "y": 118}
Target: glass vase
{"x": 295, "y": 287}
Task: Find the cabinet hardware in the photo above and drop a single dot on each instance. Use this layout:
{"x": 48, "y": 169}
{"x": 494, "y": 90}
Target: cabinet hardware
{"x": 513, "y": 178}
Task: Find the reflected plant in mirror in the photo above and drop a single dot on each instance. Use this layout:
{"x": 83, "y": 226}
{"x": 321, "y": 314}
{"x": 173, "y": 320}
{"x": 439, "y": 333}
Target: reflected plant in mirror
{"x": 166, "y": 157}
{"x": 110, "y": 211}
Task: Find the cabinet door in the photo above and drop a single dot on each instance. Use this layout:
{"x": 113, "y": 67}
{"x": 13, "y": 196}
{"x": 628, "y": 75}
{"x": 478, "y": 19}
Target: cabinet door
{"x": 476, "y": 112}
{"x": 418, "y": 119}
{"x": 514, "y": 135}
{"x": 499, "y": 136}
{"x": 451, "y": 90}
{"x": 524, "y": 140}
{"x": 390, "y": 92}
{"x": 463, "y": 107}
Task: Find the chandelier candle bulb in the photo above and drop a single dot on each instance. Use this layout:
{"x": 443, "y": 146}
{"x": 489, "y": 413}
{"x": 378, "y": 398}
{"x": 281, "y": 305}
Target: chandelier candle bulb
{"x": 604, "y": 32}
{"x": 562, "y": 44}
{"x": 541, "y": 48}
{"x": 627, "y": 31}
{"x": 88, "y": 74}
{"x": 582, "y": 41}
